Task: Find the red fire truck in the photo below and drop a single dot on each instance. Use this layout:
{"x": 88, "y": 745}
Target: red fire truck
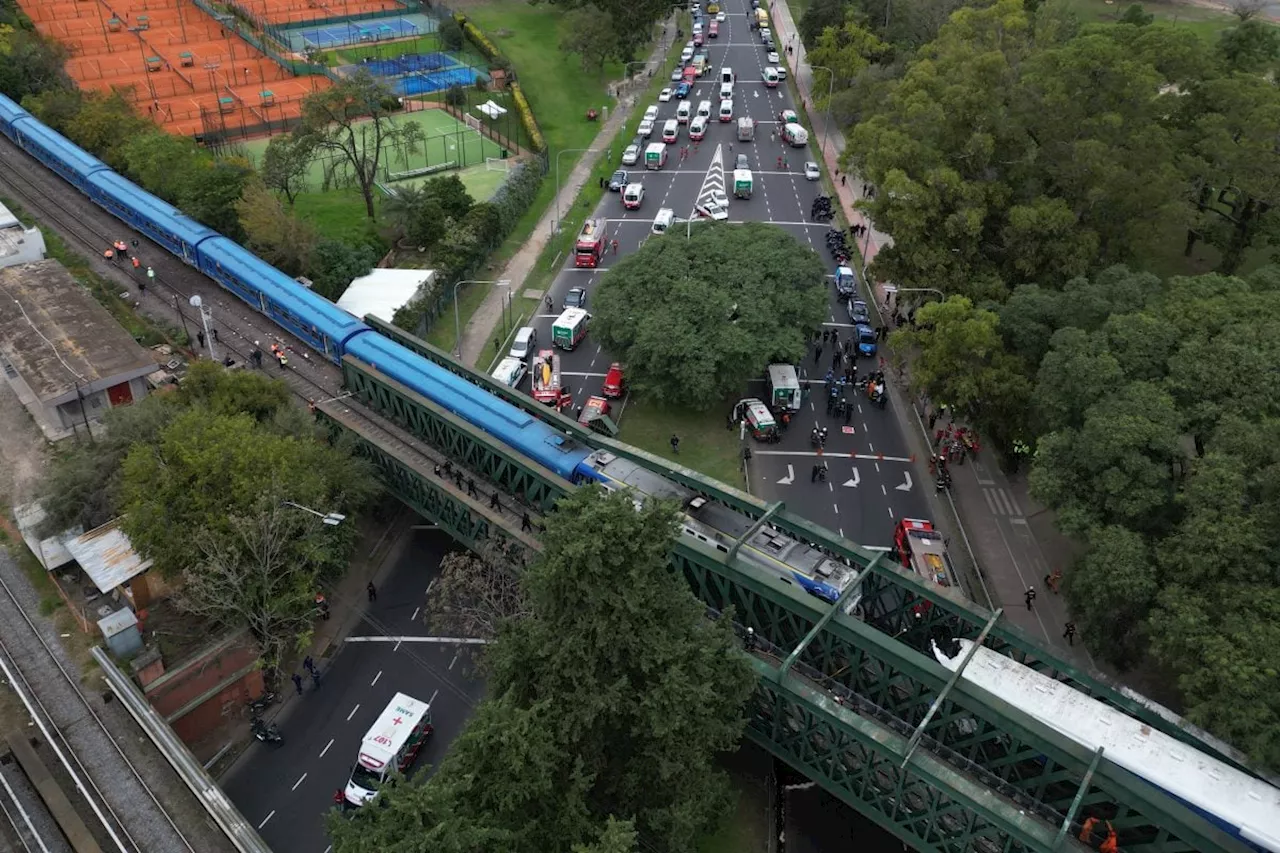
{"x": 589, "y": 249}
{"x": 922, "y": 549}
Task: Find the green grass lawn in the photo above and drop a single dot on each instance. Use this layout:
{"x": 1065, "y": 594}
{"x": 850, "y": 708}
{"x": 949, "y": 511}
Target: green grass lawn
{"x": 1207, "y": 23}
{"x": 705, "y": 444}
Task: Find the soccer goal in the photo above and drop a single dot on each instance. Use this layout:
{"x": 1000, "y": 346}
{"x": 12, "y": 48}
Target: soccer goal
{"x": 473, "y": 123}
{"x": 495, "y": 164}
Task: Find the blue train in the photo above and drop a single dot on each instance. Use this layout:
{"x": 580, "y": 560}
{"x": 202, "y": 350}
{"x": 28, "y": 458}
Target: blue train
{"x": 324, "y": 327}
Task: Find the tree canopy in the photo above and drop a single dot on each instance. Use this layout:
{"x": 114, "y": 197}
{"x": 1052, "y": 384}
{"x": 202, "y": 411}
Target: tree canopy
{"x": 611, "y": 696}
{"x": 695, "y": 319}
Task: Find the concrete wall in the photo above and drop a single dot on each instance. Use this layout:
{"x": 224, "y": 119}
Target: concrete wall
{"x": 199, "y": 695}
{"x": 96, "y": 405}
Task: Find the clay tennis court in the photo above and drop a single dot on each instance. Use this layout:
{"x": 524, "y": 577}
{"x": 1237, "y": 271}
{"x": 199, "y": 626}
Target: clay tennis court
{"x": 294, "y": 11}
{"x": 178, "y": 66}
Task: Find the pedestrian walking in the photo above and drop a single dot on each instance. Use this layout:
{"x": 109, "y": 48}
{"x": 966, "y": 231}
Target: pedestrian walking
{"x": 136, "y": 263}
{"x": 494, "y": 502}
{"x": 1069, "y": 633}
{"x": 308, "y": 664}
{"x": 826, "y": 335}
{"x": 1050, "y": 580}
{"x": 844, "y": 180}
{"x": 200, "y": 338}
{"x": 675, "y": 444}
{"x": 526, "y": 526}
{"x": 1030, "y": 596}
{"x": 151, "y": 275}
{"x": 315, "y": 679}
{"x": 817, "y": 353}
{"x": 602, "y": 182}
{"x": 142, "y": 288}
{"x": 214, "y": 332}
{"x": 297, "y": 683}
{"x": 372, "y": 591}
{"x": 813, "y": 475}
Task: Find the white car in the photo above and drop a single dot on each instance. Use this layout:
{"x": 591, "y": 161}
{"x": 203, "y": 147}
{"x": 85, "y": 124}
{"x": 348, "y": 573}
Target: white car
{"x": 721, "y": 17}
{"x": 651, "y": 113}
{"x": 665, "y": 95}
{"x": 782, "y": 71}
{"x": 686, "y": 54}
{"x": 645, "y": 129}
{"x": 726, "y": 110}
{"x": 630, "y": 155}
{"x": 678, "y": 74}
{"x": 717, "y": 209}
{"x": 772, "y": 57}
{"x": 811, "y": 171}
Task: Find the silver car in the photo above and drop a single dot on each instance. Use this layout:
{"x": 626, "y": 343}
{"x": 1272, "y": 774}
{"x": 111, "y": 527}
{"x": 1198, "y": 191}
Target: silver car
{"x": 631, "y": 155}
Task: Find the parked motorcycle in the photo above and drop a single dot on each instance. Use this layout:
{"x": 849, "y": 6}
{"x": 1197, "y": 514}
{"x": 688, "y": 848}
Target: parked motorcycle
{"x": 257, "y": 706}
{"x": 265, "y": 732}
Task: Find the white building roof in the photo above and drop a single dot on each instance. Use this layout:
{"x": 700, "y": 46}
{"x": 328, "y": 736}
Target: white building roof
{"x": 107, "y": 556}
{"x": 51, "y": 553}
{"x": 384, "y": 291}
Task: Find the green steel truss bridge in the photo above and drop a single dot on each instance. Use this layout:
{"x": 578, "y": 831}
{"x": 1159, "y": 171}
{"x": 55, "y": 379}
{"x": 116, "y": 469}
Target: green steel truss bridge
{"x": 860, "y": 705}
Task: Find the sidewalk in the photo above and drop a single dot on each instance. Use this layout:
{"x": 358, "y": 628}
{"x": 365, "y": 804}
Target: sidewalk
{"x": 480, "y": 327}
{"x": 1007, "y": 536}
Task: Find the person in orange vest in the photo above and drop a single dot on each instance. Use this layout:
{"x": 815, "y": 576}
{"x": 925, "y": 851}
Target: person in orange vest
{"x": 1111, "y": 844}
{"x": 109, "y": 254}
{"x": 136, "y": 263}
{"x": 1086, "y": 831}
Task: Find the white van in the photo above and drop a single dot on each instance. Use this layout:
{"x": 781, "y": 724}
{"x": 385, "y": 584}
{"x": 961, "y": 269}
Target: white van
{"x": 683, "y": 111}
{"x": 704, "y": 109}
{"x": 726, "y": 75}
{"x": 651, "y": 113}
{"x": 726, "y": 91}
{"x": 390, "y": 745}
{"x": 770, "y": 76}
{"x": 663, "y": 220}
{"x": 671, "y": 130}
{"x": 525, "y": 342}
{"x": 726, "y": 110}
{"x": 510, "y": 372}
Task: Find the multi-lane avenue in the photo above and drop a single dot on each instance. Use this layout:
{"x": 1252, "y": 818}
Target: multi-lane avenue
{"x": 871, "y": 479}
{"x": 285, "y": 791}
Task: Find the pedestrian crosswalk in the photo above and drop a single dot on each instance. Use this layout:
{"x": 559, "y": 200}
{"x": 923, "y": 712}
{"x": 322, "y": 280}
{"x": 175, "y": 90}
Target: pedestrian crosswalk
{"x": 1001, "y": 502}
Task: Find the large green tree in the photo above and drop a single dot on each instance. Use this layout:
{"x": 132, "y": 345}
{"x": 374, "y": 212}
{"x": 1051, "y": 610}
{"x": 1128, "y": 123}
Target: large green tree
{"x": 611, "y": 696}
{"x": 695, "y": 319}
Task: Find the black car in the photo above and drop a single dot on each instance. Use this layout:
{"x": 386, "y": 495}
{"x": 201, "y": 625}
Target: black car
{"x": 575, "y": 298}
{"x": 858, "y": 313}
{"x": 618, "y": 181}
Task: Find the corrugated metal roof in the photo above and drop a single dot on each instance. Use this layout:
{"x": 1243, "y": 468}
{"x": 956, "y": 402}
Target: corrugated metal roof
{"x": 51, "y": 553}
{"x": 107, "y": 556}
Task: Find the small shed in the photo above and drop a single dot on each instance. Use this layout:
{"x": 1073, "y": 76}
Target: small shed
{"x": 121, "y": 632}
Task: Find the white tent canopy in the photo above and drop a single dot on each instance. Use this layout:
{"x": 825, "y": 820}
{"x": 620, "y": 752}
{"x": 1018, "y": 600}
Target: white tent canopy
{"x": 491, "y": 109}
{"x": 384, "y": 291}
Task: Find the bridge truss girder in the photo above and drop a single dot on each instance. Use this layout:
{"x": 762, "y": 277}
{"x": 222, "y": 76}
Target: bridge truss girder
{"x": 976, "y": 734}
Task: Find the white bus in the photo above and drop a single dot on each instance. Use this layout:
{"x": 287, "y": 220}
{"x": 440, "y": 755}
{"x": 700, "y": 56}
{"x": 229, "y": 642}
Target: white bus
{"x": 391, "y": 744}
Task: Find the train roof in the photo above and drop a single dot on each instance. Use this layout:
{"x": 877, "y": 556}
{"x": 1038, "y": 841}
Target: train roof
{"x": 159, "y": 211}
{"x": 10, "y": 111}
{"x": 76, "y": 158}
{"x": 1204, "y": 782}
{"x": 310, "y": 308}
{"x": 478, "y": 406}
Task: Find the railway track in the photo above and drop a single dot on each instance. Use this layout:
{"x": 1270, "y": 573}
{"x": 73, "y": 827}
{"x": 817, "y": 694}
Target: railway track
{"x": 311, "y": 379}
{"x": 79, "y": 747}
{"x": 27, "y": 826}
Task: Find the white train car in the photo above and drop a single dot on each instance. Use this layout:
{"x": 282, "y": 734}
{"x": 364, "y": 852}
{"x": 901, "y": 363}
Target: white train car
{"x": 1245, "y": 807}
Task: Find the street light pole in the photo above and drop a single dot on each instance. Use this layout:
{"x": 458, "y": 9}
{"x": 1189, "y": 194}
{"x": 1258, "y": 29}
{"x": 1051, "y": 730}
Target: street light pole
{"x": 556, "y": 228}
{"x": 457, "y": 320}
{"x": 831, "y": 82}
{"x": 332, "y": 519}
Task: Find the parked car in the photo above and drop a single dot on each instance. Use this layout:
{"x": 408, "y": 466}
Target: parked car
{"x": 678, "y": 74}
{"x": 646, "y": 129}
{"x": 811, "y": 171}
{"x": 721, "y": 16}
{"x": 771, "y": 57}
{"x": 665, "y": 94}
{"x": 575, "y": 298}
{"x": 651, "y": 113}
{"x": 526, "y": 341}
{"x": 716, "y": 209}
{"x": 618, "y": 181}
{"x": 630, "y": 155}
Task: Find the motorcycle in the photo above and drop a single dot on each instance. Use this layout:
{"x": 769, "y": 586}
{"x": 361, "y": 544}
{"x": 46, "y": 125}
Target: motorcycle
{"x": 257, "y": 706}
{"x": 265, "y": 732}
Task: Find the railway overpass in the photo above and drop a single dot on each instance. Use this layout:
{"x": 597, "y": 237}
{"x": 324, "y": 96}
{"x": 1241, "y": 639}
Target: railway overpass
{"x": 860, "y": 705}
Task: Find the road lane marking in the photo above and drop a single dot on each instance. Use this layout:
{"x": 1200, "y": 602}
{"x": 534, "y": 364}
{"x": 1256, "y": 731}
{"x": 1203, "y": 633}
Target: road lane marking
{"x": 464, "y": 641}
{"x": 433, "y": 696}
{"x": 353, "y": 712}
{"x": 326, "y": 747}
{"x": 433, "y": 583}
{"x": 299, "y": 782}
{"x": 829, "y": 453}
{"x": 455, "y": 660}
{"x": 267, "y": 818}
{"x": 375, "y": 678}
{"x": 414, "y": 617}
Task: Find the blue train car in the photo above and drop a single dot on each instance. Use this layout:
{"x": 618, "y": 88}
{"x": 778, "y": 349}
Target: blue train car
{"x": 162, "y": 222}
{"x": 58, "y": 153}
{"x": 324, "y": 327}
{"x": 505, "y": 422}
{"x": 9, "y": 113}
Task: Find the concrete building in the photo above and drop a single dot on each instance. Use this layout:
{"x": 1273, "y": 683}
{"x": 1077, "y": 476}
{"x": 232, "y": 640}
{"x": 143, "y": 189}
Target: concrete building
{"x": 384, "y": 291}
{"x": 18, "y": 244}
{"x": 67, "y": 358}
